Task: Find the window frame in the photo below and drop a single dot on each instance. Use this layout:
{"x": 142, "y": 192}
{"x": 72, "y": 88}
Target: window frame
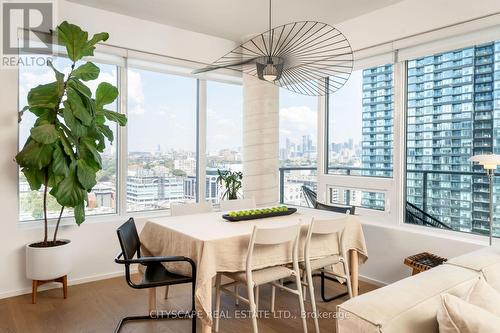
{"x": 387, "y": 186}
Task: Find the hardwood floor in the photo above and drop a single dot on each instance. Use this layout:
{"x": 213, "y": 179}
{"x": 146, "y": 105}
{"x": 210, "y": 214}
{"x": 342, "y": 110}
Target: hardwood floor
{"x": 98, "y": 306}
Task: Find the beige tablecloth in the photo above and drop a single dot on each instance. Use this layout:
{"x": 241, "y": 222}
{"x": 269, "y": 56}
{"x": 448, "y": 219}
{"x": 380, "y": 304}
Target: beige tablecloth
{"x": 217, "y": 245}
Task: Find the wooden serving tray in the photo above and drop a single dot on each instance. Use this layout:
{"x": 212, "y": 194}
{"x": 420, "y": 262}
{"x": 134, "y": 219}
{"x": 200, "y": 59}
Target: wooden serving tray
{"x": 290, "y": 211}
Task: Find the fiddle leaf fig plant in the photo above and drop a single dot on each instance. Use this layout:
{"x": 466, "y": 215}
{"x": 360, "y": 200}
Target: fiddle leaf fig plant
{"x": 230, "y": 181}
{"x": 62, "y": 153}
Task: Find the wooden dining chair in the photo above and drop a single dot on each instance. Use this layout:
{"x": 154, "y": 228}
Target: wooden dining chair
{"x": 155, "y": 275}
{"x": 179, "y": 209}
{"x": 253, "y": 278}
{"x": 322, "y": 228}
{"x": 239, "y": 204}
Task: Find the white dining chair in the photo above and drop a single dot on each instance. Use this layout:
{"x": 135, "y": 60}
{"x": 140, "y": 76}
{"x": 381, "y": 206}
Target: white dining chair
{"x": 178, "y": 209}
{"x": 254, "y": 278}
{"x": 322, "y": 228}
{"x": 239, "y": 204}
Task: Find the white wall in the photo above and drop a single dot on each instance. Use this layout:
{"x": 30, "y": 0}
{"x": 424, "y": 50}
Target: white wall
{"x": 95, "y": 243}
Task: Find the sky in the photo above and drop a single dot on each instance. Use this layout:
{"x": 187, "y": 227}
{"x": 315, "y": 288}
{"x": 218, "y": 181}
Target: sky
{"x": 345, "y": 118}
{"x": 224, "y": 116}
{"x": 162, "y": 110}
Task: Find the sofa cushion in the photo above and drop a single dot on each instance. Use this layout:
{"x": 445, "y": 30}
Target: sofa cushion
{"x": 455, "y": 315}
{"x": 484, "y": 296}
{"x": 492, "y": 276}
{"x": 409, "y": 305}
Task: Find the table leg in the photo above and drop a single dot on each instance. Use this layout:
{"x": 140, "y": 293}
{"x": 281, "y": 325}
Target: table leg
{"x": 354, "y": 263}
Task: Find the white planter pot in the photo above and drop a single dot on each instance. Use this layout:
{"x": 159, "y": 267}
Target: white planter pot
{"x": 47, "y": 263}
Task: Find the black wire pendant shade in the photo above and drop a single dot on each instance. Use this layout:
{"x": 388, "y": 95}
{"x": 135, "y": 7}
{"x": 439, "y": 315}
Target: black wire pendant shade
{"x": 297, "y": 56}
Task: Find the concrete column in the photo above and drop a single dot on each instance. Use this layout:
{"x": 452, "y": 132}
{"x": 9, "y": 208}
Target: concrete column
{"x": 260, "y": 141}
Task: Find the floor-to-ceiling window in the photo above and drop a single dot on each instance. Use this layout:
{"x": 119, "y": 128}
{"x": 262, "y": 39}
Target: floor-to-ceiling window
{"x": 162, "y": 136}
{"x": 224, "y": 133}
{"x": 453, "y": 112}
{"x": 298, "y": 147}
{"x": 360, "y": 134}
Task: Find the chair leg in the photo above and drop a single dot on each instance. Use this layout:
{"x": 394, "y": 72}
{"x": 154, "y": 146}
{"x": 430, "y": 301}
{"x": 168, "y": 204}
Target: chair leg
{"x": 166, "y": 292}
{"x": 152, "y": 299}
{"x": 217, "y": 301}
{"x": 179, "y": 315}
{"x": 253, "y": 308}
{"x": 323, "y": 289}
{"x": 257, "y": 298}
{"x": 304, "y": 288}
{"x": 236, "y": 291}
{"x": 193, "y": 306}
{"x": 273, "y": 298}
{"x": 310, "y": 284}
{"x": 301, "y": 301}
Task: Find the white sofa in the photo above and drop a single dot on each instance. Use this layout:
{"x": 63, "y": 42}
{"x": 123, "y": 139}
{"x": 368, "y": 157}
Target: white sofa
{"x": 410, "y": 305}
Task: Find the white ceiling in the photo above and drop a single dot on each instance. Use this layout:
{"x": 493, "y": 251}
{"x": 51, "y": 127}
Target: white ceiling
{"x": 237, "y": 19}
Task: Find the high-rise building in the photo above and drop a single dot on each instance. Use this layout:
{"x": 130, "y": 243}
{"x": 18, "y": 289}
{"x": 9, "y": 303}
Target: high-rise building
{"x": 377, "y": 128}
{"x": 453, "y": 113}
{"x": 377, "y": 132}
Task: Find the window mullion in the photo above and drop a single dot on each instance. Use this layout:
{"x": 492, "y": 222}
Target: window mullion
{"x": 201, "y": 150}
{"x": 398, "y": 192}
{"x": 122, "y": 143}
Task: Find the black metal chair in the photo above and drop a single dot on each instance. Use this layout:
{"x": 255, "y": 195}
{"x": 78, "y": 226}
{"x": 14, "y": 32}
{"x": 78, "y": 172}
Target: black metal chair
{"x": 155, "y": 275}
{"x": 344, "y": 209}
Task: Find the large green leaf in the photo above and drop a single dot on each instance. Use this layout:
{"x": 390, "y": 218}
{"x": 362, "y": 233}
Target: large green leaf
{"x": 67, "y": 147}
{"x": 79, "y": 213}
{"x": 77, "y": 107}
{"x": 80, "y": 87}
{"x": 96, "y": 134}
{"x": 86, "y": 175}
{"x": 74, "y": 38}
{"x": 86, "y": 72}
{"x": 34, "y": 155}
{"x": 69, "y": 192}
{"x": 88, "y": 151}
{"x": 77, "y": 128}
{"x": 54, "y": 179}
{"x": 59, "y": 77}
{"x": 106, "y": 93}
{"x": 45, "y": 96}
{"x": 40, "y": 112}
{"x": 46, "y": 133}
{"x": 119, "y": 118}
{"x": 59, "y": 161}
{"x": 106, "y": 131}
{"x": 89, "y": 47}
{"x": 34, "y": 177}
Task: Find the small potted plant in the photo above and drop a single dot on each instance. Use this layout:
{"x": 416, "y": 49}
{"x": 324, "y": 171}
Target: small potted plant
{"x": 62, "y": 154}
{"x": 230, "y": 182}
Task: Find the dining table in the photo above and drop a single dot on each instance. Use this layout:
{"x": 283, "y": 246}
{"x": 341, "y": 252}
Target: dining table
{"x": 217, "y": 245}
